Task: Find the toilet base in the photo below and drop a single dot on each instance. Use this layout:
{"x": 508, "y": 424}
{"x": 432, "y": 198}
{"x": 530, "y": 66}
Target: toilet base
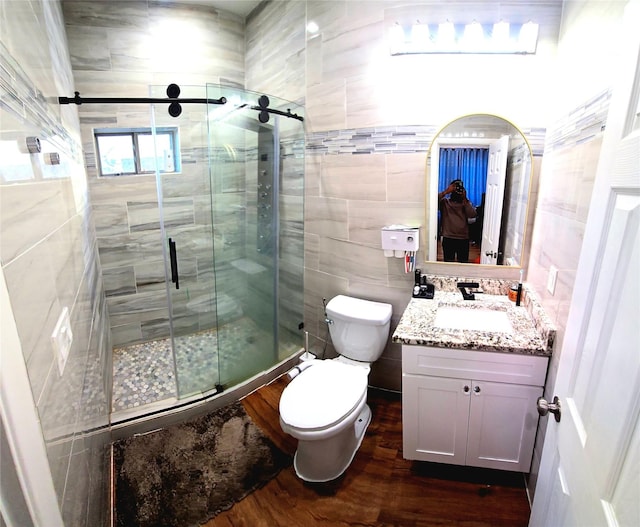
{"x": 327, "y": 459}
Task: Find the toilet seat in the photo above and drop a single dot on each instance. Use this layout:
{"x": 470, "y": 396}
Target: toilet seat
{"x": 322, "y": 395}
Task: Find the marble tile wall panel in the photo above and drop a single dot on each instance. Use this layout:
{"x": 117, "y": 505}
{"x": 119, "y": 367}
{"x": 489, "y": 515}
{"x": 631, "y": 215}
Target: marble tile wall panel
{"x": 290, "y": 313}
{"x": 129, "y": 249}
{"x": 188, "y": 185}
{"x": 143, "y": 307}
{"x": 156, "y": 329}
{"x": 116, "y": 191}
{"x": 345, "y": 50}
{"x": 119, "y": 281}
{"x": 22, "y": 208}
{"x": 353, "y": 261}
{"x": 111, "y": 219}
{"x": 145, "y": 216}
{"x": 132, "y": 14}
{"x": 31, "y": 283}
{"x": 324, "y": 108}
{"x": 128, "y": 51}
{"x": 327, "y": 217}
{"x": 125, "y": 334}
{"x": 354, "y": 177}
{"x": 119, "y": 49}
{"x": 259, "y": 304}
{"x": 275, "y": 51}
{"x": 406, "y": 177}
{"x": 150, "y": 276}
{"x": 366, "y": 220}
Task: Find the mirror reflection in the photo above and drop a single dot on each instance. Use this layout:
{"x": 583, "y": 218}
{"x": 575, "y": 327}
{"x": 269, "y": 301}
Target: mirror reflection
{"x": 479, "y": 175}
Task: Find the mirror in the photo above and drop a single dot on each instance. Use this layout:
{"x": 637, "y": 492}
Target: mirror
{"x": 493, "y": 159}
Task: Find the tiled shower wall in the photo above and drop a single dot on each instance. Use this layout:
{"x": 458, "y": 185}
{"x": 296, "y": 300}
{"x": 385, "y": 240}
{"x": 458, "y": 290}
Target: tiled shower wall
{"x": 50, "y": 258}
{"x": 119, "y": 50}
{"x": 131, "y": 243}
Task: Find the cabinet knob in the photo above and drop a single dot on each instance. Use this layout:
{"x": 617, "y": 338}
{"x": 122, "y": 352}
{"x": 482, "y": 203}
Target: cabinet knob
{"x": 466, "y": 389}
{"x": 476, "y": 389}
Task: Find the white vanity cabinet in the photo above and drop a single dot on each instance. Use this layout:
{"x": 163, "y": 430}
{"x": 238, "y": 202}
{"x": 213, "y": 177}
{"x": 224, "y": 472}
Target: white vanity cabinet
{"x": 470, "y": 407}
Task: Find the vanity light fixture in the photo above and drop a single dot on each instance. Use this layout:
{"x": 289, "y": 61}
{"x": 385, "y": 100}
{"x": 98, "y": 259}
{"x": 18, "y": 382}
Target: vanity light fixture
{"x": 528, "y": 37}
{"x": 447, "y": 37}
{"x": 473, "y": 37}
{"x": 420, "y": 35}
{"x": 500, "y": 37}
{"x": 397, "y": 40}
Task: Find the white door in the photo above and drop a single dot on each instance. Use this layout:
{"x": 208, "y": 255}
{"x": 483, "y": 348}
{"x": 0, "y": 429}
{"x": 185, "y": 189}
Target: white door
{"x": 589, "y": 472}
{"x": 494, "y": 197}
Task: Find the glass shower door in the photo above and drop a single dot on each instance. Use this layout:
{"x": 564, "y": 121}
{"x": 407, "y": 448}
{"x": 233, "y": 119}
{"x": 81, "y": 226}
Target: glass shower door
{"x": 230, "y": 210}
{"x": 184, "y": 197}
{"x": 290, "y": 285}
{"x": 248, "y": 206}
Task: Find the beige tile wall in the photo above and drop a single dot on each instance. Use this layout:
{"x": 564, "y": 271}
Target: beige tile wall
{"x": 353, "y": 85}
{"x": 119, "y": 50}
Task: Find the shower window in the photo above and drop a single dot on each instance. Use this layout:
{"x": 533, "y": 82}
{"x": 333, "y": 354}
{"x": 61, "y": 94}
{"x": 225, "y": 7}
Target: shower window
{"x": 133, "y": 151}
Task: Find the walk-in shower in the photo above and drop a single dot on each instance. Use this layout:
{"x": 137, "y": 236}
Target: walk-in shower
{"x": 211, "y": 272}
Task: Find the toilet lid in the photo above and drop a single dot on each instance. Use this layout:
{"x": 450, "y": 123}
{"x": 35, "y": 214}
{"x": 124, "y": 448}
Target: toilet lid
{"x": 322, "y": 395}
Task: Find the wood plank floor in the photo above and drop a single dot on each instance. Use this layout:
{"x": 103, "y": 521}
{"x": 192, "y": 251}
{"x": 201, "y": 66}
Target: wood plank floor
{"x": 380, "y": 488}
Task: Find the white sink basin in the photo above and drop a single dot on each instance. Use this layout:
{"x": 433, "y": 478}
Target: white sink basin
{"x": 476, "y": 319}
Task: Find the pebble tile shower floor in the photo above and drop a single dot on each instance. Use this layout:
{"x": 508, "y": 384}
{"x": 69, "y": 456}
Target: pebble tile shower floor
{"x": 143, "y": 373}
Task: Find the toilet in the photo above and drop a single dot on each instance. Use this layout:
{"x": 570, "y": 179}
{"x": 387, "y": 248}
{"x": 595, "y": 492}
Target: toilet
{"x": 325, "y": 405}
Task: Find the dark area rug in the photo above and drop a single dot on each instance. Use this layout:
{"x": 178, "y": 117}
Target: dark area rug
{"x": 184, "y": 475}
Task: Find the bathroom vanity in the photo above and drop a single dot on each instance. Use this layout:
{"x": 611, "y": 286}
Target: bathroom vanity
{"x": 472, "y": 372}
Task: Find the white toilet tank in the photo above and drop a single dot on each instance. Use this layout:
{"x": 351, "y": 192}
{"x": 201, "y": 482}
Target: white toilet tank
{"x": 359, "y": 328}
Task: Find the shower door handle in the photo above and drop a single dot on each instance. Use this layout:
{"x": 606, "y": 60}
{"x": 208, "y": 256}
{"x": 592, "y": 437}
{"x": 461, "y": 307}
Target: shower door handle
{"x": 174, "y": 263}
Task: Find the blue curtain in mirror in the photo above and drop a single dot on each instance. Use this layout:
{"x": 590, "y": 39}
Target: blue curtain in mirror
{"x": 467, "y": 164}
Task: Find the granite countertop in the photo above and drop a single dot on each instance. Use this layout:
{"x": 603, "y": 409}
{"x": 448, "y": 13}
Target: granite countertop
{"x": 532, "y": 333}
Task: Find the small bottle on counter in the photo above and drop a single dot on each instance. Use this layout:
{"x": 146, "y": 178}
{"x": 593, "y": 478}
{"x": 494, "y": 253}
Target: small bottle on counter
{"x": 513, "y": 292}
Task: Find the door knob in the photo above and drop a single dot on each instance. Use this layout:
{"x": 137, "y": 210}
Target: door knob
{"x": 544, "y": 407}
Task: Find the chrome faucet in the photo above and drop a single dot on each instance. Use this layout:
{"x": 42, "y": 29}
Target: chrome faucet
{"x": 468, "y": 295}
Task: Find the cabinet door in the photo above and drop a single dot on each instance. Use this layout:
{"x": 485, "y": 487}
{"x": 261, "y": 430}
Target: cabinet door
{"x": 435, "y": 415}
{"x": 502, "y": 425}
